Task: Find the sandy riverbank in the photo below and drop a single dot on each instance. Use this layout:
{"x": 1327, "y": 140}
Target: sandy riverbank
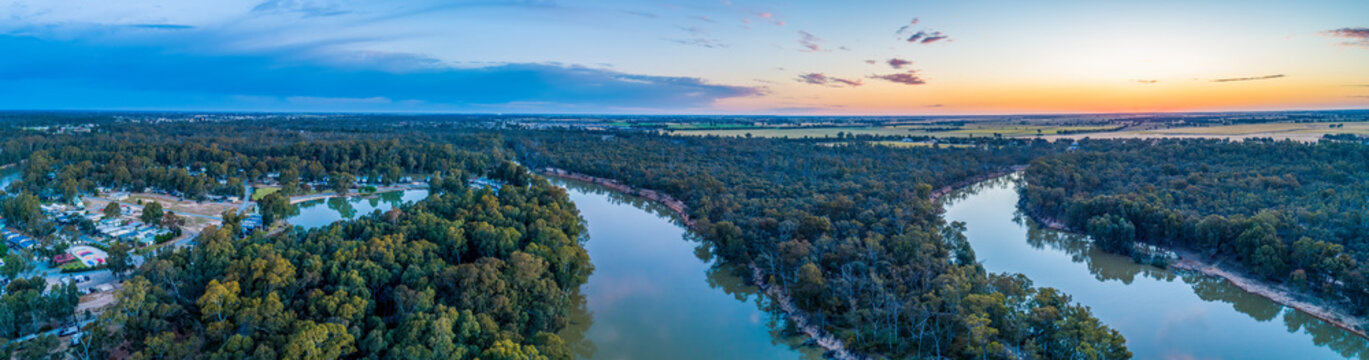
{"x": 1189, "y": 261}
{"x": 823, "y": 339}
{"x": 1276, "y": 293}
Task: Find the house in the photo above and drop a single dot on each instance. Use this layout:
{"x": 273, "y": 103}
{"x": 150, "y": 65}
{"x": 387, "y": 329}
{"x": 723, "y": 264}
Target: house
{"x": 118, "y": 196}
{"x": 62, "y": 258}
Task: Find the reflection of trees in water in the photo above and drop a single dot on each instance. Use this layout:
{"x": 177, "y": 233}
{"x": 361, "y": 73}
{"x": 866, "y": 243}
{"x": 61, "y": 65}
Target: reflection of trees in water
{"x": 343, "y": 207}
{"x": 1217, "y": 289}
{"x": 725, "y": 278}
{"x": 1102, "y": 265}
{"x": 965, "y": 192}
{"x": 1105, "y": 266}
{"x": 1327, "y": 335}
{"x": 718, "y": 276}
{"x": 576, "y": 332}
{"x": 392, "y": 197}
{"x": 619, "y": 198}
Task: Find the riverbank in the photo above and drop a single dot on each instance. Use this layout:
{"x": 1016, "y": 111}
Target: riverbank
{"x": 674, "y": 204}
{"x": 938, "y": 193}
{"x": 778, "y": 294}
{"x": 1276, "y": 293}
{"x": 1189, "y": 261}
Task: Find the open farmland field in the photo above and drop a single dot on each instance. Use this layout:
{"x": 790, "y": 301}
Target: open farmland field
{"x": 902, "y": 144}
{"x": 968, "y": 130}
{"x": 1280, "y": 131}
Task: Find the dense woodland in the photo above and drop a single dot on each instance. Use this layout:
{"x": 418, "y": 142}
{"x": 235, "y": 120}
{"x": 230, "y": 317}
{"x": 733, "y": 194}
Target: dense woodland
{"x": 852, "y": 232}
{"x": 1286, "y": 211}
{"x": 463, "y": 274}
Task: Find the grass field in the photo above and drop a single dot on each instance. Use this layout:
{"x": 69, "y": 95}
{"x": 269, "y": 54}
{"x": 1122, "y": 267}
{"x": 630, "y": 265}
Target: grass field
{"x": 260, "y": 192}
{"x": 969, "y": 130}
{"x": 1294, "y": 131}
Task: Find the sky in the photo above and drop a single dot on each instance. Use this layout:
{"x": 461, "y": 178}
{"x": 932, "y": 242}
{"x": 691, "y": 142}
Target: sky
{"x": 691, "y": 57}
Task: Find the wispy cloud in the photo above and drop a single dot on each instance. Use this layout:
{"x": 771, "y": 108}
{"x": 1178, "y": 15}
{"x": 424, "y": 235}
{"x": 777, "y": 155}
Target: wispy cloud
{"x": 699, "y": 37}
{"x": 1144, "y": 81}
{"x": 909, "y": 26}
{"x": 926, "y": 37}
{"x": 809, "y": 42}
{"x": 910, "y": 77}
{"x": 308, "y": 8}
{"x": 824, "y": 79}
{"x": 160, "y": 26}
{"x": 643, "y": 14}
{"x": 897, "y": 63}
{"x": 1355, "y": 36}
{"x": 921, "y": 36}
{"x": 1252, "y": 78}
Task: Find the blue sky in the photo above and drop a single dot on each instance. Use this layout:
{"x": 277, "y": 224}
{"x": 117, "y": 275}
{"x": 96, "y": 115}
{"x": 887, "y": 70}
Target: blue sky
{"x": 731, "y": 56}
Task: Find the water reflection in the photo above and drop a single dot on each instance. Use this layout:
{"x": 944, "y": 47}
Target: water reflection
{"x": 321, "y": 212}
{"x": 1163, "y": 313}
{"x": 656, "y": 292}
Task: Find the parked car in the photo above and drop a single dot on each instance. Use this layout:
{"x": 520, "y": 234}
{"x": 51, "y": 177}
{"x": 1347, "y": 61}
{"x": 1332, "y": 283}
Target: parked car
{"x": 68, "y": 331}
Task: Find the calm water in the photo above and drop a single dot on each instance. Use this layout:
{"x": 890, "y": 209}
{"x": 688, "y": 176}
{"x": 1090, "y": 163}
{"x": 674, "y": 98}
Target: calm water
{"x": 1163, "y": 314}
{"x": 318, "y": 213}
{"x": 655, "y": 294}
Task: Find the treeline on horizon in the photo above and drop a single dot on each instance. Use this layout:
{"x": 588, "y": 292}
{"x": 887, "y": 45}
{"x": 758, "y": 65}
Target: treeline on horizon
{"x": 853, "y": 235}
{"x": 1288, "y": 212}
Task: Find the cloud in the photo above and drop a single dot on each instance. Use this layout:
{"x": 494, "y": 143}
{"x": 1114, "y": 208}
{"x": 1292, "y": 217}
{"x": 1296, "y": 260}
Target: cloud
{"x": 641, "y": 14}
{"x": 936, "y": 105}
{"x": 823, "y": 79}
{"x": 767, "y": 17}
{"x": 699, "y": 37}
{"x": 1266, "y": 77}
{"x": 160, "y": 26}
{"x": 809, "y": 42}
{"x": 308, "y": 8}
{"x": 41, "y": 74}
{"x": 911, "y": 77}
{"x": 1147, "y": 81}
{"x": 897, "y": 63}
{"x": 704, "y": 19}
{"x": 871, "y": 61}
{"x": 1356, "y": 36}
{"x": 907, "y": 27}
{"x": 926, "y": 37}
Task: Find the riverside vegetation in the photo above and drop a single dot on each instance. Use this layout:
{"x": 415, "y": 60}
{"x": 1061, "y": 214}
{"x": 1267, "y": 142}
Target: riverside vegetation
{"x": 852, "y": 233}
{"x": 1287, "y": 212}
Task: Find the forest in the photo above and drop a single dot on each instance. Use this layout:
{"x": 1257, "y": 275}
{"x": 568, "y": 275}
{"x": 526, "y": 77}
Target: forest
{"x": 466, "y": 273}
{"x": 853, "y": 233}
{"x": 1289, "y": 212}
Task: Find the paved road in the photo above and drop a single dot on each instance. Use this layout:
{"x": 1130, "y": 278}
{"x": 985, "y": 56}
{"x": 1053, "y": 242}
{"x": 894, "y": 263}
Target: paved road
{"x": 246, "y": 199}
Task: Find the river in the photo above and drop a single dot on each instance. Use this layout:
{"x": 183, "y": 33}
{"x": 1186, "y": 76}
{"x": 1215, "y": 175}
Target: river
{"x": 656, "y": 294}
{"x": 1163, "y": 314}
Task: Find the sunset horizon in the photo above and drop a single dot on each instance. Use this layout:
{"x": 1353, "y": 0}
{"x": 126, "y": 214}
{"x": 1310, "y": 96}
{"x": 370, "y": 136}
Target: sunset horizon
{"x": 712, "y": 57}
